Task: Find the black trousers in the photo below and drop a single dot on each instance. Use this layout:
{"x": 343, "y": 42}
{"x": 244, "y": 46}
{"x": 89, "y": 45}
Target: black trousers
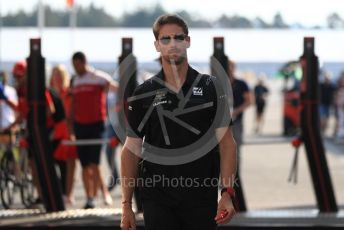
{"x": 162, "y": 217}
{"x": 89, "y": 154}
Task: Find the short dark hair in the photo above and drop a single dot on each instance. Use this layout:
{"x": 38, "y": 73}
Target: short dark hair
{"x": 169, "y": 19}
{"x": 79, "y": 56}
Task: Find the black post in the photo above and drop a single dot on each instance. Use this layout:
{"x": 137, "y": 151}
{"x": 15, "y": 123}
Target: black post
{"x": 311, "y": 131}
{"x": 127, "y": 84}
{"x": 125, "y": 71}
{"x": 222, "y": 58}
{"x": 219, "y": 55}
{"x": 38, "y": 134}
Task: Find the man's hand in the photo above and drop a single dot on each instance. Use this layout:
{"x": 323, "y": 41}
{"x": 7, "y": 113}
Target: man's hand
{"x": 128, "y": 221}
{"x": 72, "y": 137}
{"x": 225, "y": 209}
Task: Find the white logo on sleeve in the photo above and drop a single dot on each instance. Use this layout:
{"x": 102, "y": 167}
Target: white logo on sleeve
{"x": 198, "y": 91}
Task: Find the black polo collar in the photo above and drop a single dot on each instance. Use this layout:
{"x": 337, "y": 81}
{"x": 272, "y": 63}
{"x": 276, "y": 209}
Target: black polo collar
{"x": 191, "y": 75}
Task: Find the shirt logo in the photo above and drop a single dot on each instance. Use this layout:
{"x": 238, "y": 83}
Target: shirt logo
{"x": 159, "y": 103}
{"x": 160, "y": 95}
{"x": 160, "y": 98}
{"x": 197, "y": 91}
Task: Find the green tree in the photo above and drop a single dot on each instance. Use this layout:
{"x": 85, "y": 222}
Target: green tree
{"x": 334, "y": 21}
{"x": 260, "y": 23}
{"x": 55, "y": 18}
{"x": 278, "y": 21}
{"x": 94, "y": 17}
{"x": 233, "y": 22}
{"x": 142, "y": 17}
{"x": 21, "y": 18}
{"x": 201, "y": 23}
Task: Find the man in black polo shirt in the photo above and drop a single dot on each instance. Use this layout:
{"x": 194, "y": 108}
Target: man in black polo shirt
{"x": 178, "y": 142}
{"x": 242, "y": 100}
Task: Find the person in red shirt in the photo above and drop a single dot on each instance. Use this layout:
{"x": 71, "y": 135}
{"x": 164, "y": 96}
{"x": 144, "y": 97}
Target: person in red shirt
{"x": 59, "y": 82}
{"x": 22, "y": 109}
{"x": 89, "y": 88}
{"x": 56, "y": 123}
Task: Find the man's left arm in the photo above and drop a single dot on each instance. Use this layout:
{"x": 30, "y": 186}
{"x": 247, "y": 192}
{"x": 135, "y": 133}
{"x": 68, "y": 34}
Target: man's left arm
{"x": 228, "y": 164}
{"x": 110, "y": 83}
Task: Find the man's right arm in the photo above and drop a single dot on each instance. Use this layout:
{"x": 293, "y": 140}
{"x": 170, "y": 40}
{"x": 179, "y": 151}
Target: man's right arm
{"x": 129, "y": 165}
{"x": 129, "y": 170}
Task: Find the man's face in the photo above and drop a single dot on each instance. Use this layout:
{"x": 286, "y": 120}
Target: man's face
{"x": 56, "y": 79}
{"x": 172, "y": 43}
{"x": 79, "y": 66}
{"x": 231, "y": 71}
{"x": 19, "y": 81}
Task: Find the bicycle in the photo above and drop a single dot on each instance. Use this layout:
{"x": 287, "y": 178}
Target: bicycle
{"x": 28, "y": 193}
{"x": 15, "y": 174}
{"x": 8, "y": 170}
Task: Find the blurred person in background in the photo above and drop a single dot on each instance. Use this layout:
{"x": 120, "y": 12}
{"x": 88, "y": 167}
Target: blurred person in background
{"x": 260, "y": 94}
{"x": 110, "y": 133}
{"x": 340, "y": 110}
{"x": 59, "y": 82}
{"x": 327, "y": 92}
{"x": 55, "y": 122}
{"x": 89, "y": 88}
{"x": 242, "y": 100}
{"x": 8, "y": 105}
{"x": 19, "y": 76}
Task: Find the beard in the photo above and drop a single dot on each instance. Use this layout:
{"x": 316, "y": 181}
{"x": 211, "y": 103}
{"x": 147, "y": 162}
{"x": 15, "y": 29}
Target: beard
{"x": 175, "y": 59}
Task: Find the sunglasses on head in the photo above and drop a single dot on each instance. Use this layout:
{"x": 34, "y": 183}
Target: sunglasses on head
{"x": 167, "y": 39}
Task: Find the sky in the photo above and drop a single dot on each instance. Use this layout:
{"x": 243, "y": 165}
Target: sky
{"x": 306, "y": 12}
